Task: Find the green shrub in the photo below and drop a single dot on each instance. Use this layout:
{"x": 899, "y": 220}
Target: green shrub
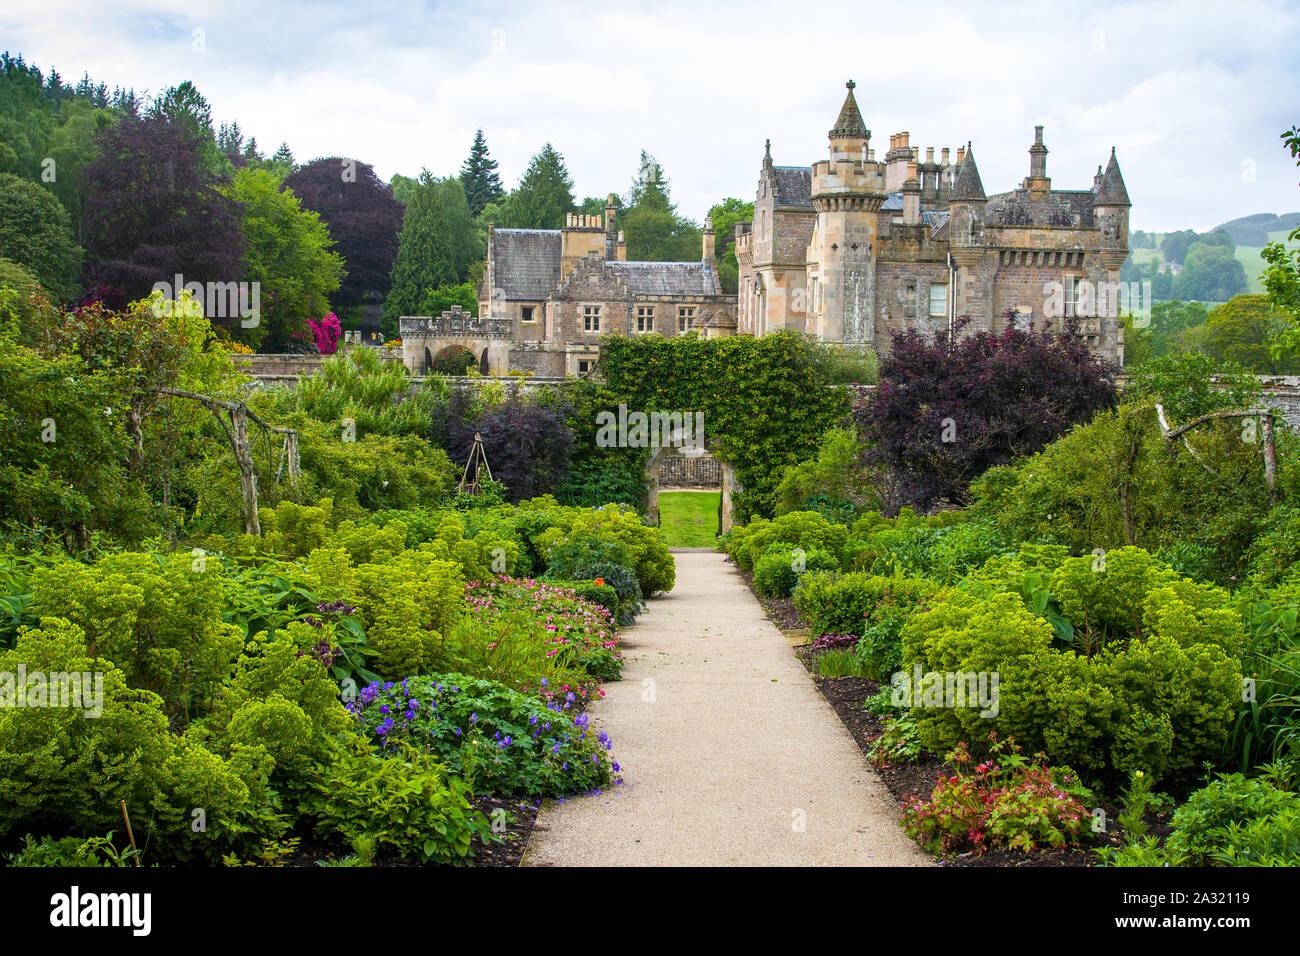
{"x": 798, "y": 529}
{"x": 406, "y": 804}
{"x": 846, "y": 603}
{"x": 1210, "y": 822}
{"x": 778, "y": 571}
{"x": 1144, "y": 677}
{"x": 587, "y": 556}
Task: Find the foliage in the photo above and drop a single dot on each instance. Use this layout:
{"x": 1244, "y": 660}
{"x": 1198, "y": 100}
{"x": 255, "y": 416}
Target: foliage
{"x": 654, "y": 231}
{"x": 440, "y": 300}
{"x": 289, "y": 251}
{"x": 527, "y": 444}
{"x": 831, "y": 478}
{"x": 765, "y": 402}
{"x": 592, "y": 556}
{"x": 946, "y": 411}
{"x": 777, "y": 572}
{"x": 406, "y": 804}
{"x": 153, "y": 210}
{"x": 36, "y": 233}
{"x": 363, "y": 219}
{"x": 1206, "y": 825}
{"x": 326, "y": 332}
{"x": 434, "y": 246}
{"x": 1241, "y": 332}
{"x": 478, "y": 175}
{"x": 800, "y": 529}
{"x": 544, "y": 194}
{"x": 454, "y": 360}
{"x": 499, "y": 740}
{"x": 1009, "y": 801}
{"x": 1141, "y": 674}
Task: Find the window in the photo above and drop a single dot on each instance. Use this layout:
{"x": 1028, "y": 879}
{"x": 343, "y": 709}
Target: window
{"x": 685, "y": 317}
{"x": 1023, "y": 319}
{"x": 584, "y": 366}
{"x": 1073, "y": 293}
{"x": 529, "y": 314}
{"x": 645, "y": 318}
{"x": 591, "y": 318}
{"x": 938, "y": 299}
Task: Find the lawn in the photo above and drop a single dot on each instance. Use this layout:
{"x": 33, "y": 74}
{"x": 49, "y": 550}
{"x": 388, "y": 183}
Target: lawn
{"x": 689, "y": 519}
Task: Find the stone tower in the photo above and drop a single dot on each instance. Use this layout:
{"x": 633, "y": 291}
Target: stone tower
{"x": 1110, "y": 208}
{"x": 966, "y": 241}
{"x": 847, "y": 192}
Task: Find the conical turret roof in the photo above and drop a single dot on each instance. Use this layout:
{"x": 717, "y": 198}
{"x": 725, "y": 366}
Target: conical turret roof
{"x": 849, "y": 125}
{"x": 1111, "y": 192}
{"x": 968, "y": 185}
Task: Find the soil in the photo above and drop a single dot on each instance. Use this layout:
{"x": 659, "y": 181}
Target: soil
{"x": 846, "y": 695}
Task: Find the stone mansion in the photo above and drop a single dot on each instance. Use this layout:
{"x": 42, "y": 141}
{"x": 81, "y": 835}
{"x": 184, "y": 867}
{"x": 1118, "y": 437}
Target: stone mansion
{"x": 850, "y": 249}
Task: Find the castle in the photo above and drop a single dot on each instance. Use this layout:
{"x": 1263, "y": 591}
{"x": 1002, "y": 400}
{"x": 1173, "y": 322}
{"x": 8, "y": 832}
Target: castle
{"x": 850, "y": 249}
{"x": 853, "y": 249}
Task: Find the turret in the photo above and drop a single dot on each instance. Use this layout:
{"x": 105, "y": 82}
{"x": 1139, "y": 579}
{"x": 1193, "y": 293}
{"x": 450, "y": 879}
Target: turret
{"x": 1110, "y": 208}
{"x": 849, "y": 137}
{"x": 966, "y": 206}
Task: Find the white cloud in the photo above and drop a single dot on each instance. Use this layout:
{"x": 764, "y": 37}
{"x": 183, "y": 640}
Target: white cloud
{"x": 1187, "y": 92}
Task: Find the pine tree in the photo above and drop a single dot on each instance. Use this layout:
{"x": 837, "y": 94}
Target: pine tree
{"x": 425, "y": 256}
{"x": 544, "y": 195}
{"x": 479, "y": 176}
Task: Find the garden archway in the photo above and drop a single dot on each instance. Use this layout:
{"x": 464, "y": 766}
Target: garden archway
{"x": 727, "y": 482}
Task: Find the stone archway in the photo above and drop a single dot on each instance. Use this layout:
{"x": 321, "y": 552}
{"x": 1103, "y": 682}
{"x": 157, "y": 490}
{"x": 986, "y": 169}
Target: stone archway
{"x": 729, "y": 485}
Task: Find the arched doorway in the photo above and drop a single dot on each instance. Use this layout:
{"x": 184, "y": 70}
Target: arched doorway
{"x": 671, "y": 471}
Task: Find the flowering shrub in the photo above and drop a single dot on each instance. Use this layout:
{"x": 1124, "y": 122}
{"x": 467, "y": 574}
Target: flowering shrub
{"x": 1008, "y": 801}
{"x": 327, "y": 333}
{"x": 561, "y": 636}
{"x": 502, "y": 741}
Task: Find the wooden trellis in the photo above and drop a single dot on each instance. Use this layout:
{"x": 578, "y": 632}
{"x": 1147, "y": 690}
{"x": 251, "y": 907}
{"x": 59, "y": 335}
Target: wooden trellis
{"x": 478, "y": 464}
{"x": 237, "y": 434}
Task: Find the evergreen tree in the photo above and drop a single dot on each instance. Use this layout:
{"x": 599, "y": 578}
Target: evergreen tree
{"x": 654, "y": 231}
{"x": 544, "y": 195}
{"x": 426, "y": 258}
{"x": 479, "y": 177}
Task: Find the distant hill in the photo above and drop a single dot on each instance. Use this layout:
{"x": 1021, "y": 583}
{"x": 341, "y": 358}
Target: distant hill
{"x": 1254, "y": 230}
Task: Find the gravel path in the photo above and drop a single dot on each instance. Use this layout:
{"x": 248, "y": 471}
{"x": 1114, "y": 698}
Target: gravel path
{"x": 730, "y": 756}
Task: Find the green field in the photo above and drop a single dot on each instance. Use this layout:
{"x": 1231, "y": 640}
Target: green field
{"x": 689, "y": 519}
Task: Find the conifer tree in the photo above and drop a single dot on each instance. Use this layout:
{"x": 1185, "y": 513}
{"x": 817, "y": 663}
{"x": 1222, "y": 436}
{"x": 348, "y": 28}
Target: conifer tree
{"x": 479, "y": 177}
{"x": 544, "y": 195}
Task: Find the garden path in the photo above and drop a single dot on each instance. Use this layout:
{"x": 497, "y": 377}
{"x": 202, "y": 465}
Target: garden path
{"x": 729, "y": 754}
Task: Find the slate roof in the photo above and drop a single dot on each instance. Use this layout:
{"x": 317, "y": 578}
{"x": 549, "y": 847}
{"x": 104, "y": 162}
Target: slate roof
{"x": 938, "y": 221}
{"x": 794, "y": 186}
{"x": 1068, "y": 208}
{"x": 968, "y": 185}
{"x": 893, "y": 203}
{"x": 526, "y": 262}
{"x": 666, "y": 278}
{"x": 1112, "y": 192}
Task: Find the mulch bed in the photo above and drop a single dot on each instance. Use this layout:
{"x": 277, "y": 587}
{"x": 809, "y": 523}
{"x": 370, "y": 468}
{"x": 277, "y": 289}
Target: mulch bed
{"x": 846, "y": 696}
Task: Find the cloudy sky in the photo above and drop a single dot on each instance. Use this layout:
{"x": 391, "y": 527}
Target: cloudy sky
{"x": 1193, "y": 95}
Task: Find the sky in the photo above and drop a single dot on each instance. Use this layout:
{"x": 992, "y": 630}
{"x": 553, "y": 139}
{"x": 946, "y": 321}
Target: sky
{"x": 1193, "y": 96}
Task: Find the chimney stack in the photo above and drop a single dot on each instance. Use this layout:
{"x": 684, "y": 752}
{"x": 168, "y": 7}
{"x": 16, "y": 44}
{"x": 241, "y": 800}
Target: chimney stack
{"x": 708, "y": 243}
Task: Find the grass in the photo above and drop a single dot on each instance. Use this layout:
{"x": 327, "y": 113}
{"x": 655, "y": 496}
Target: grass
{"x": 689, "y": 519}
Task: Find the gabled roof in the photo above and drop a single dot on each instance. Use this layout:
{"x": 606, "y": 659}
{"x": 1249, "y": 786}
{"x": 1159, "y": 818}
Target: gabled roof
{"x": 793, "y": 186}
{"x": 526, "y": 262}
{"x": 893, "y": 203}
{"x": 1111, "y": 192}
{"x": 849, "y": 125}
{"x": 666, "y": 278}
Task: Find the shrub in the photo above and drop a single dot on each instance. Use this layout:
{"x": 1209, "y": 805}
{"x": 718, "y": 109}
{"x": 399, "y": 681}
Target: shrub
{"x": 500, "y": 740}
{"x": 798, "y": 529}
{"x": 406, "y": 803}
{"x": 949, "y": 409}
{"x": 1009, "y": 801}
{"x": 779, "y": 569}
{"x": 454, "y": 360}
{"x": 591, "y": 556}
{"x": 1211, "y": 822}
{"x": 848, "y": 603}
{"x": 645, "y": 545}
{"x": 1141, "y": 675}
